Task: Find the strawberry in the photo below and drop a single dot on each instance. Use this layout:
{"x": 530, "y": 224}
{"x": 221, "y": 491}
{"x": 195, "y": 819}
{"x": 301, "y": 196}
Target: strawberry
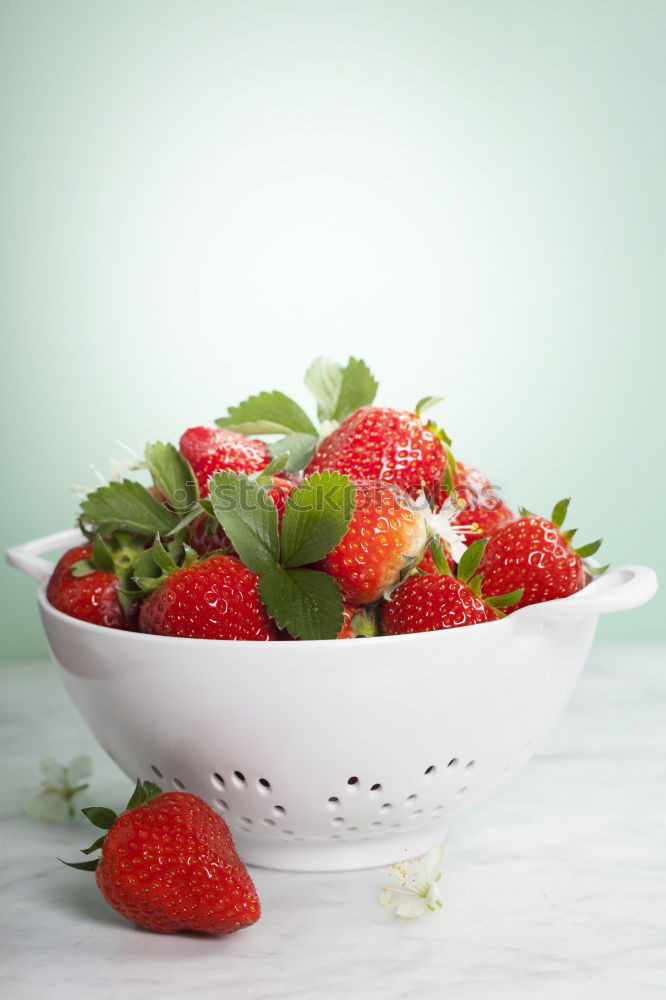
{"x": 479, "y": 510}
{"x": 92, "y": 597}
{"x": 209, "y": 449}
{"x": 393, "y": 446}
{"x": 216, "y": 598}
{"x": 385, "y": 538}
{"x": 534, "y": 554}
{"x": 168, "y": 863}
{"x": 205, "y": 533}
{"x": 428, "y": 603}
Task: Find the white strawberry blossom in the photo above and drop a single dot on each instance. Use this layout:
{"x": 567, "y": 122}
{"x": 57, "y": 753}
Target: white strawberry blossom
{"x": 442, "y": 525}
{"x": 117, "y": 468}
{"x": 60, "y": 786}
{"x": 417, "y": 891}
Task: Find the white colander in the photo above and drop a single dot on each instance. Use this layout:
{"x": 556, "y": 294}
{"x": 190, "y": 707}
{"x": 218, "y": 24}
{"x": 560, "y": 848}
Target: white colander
{"x": 331, "y": 755}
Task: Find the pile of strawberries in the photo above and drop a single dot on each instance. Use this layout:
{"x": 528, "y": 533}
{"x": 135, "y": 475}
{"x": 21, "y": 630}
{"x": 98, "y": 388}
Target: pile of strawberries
{"x": 269, "y": 527}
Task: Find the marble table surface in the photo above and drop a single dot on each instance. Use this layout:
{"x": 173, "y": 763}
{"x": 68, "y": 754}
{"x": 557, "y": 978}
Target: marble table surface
{"x": 553, "y": 888}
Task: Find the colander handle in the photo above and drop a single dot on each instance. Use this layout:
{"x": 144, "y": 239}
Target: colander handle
{"x": 619, "y": 590}
{"x": 28, "y": 557}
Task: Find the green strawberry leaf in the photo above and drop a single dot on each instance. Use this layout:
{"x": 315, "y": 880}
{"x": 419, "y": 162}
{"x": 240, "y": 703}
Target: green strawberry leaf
{"x": 324, "y": 379}
{"x": 249, "y": 518}
{"x": 505, "y": 600}
{"x": 365, "y": 622}
{"x": 143, "y": 792}
{"x": 358, "y": 388}
{"x": 469, "y": 561}
{"x": 101, "y": 817}
{"x": 427, "y": 403}
{"x": 560, "y": 512}
{"x": 596, "y": 570}
{"x": 304, "y": 601}
{"x": 585, "y": 551}
{"x": 340, "y": 391}
{"x": 268, "y": 413}
{"x": 274, "y": 468}
{"x": 82, "y": 568}
{"x": 316, "y": 517}
{"x": 102, "y": 555}
{"x": 298, "y": 449}
{"x": 163, "y": 559}
{"x": 524, "y": 512}
{"x": 438, "y": 557}
{"x": 127, "y": 506}
{"x": 172, "y": 474}
{"x": 82, "y": 866}
{"x": 94, "y": 847}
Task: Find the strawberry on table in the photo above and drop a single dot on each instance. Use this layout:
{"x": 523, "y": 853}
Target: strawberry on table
{"x": 168, "y": 863}
{"x": 535, "y": 555}
{"x": 209, "y": 449}
{"x": 216, "y": 598}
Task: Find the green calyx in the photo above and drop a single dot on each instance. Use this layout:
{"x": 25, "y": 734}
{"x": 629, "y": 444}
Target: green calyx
{"x": 467, "y": 572}
{"x": 365, "y": 622}
{"x": 155, "y": 564}
{"x": 557, "y": 518}
{"x": 304, "y": 601}
{"x": 426, "y": 403}
{"x": 338, "y": 390}
{"x": 117, "y": 553}
{"x": 104, "y": 819}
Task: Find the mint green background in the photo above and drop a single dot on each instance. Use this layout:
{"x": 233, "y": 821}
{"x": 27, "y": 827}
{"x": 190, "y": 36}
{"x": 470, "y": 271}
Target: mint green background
{"x": 199, "y": 197}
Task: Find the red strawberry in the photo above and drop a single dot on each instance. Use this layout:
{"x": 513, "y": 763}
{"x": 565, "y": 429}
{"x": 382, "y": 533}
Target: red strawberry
{"x": 385, "y": 537}
{"x": 393, "y": 446}
{"x": 216, "y": 598}
{"x": 209, "y": 449}
{"x": 428, "y": 603}
{"x": 533, "y": 554}
{"x": 91, "y": 598}
{"x": 202, "y": 540}
{"x": 169, "y": 864}
{"x": 480, "y": 510}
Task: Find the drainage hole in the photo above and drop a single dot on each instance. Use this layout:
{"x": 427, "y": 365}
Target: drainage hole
{"x": 218, "y": 780}
{"x": 338, "y": 819}
{"x": 353, "y": 780}
{"x": 264, "y": 786}
{"x": 178, "y": 784}
{"x": 470, "y": 764}
{"x": 239, "y": 778}
{"x": 156, "y": 771}
{"x": 385, "y": 807}
{"x": 246, "y": 819}
{"x": 221, "y": 804}
{"x": 430, "y": 770}
{"x": 376, "y": 788}
{"x": 453, "y": 762}
{"x": 268, "y": 822}
{"x": 279, "y": 810}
